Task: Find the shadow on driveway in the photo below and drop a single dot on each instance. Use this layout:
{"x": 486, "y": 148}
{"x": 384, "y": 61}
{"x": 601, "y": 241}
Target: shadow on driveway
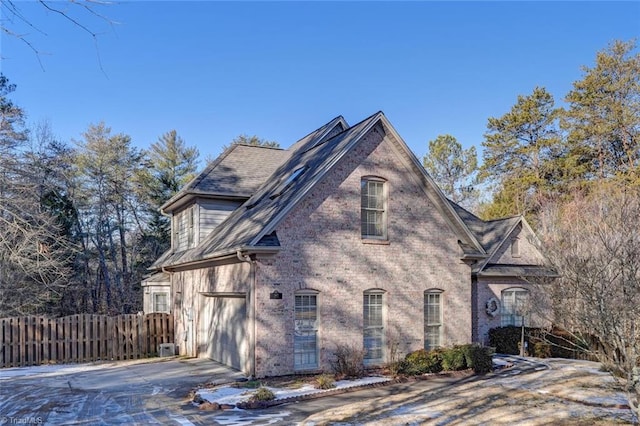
{"x": 128, "y": 392}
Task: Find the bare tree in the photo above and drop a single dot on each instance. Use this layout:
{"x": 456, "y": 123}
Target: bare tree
{"x": 34, "y": 252}
{"x": 594, "y": 244}
{"x": 20, "y": 25}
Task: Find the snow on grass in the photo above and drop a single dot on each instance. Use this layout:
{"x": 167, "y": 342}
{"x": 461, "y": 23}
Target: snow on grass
{"x": 241, "y": 420}
{"x": 500, "y": 363}
{"x": 225, "y": 395}
{"x": 230, "y": 395}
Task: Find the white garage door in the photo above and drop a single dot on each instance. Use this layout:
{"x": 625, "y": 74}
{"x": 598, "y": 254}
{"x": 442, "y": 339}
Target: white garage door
{"x": 222, "y": 332}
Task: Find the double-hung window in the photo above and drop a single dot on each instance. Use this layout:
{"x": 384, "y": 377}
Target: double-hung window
{"x": 305, "y": 338}
{"x": 373, "y": 323}
{"x": 160, "y": 302}
{"x": 373, "y": 208}
{"x": 432, "y": 319}
{"x": 514, "y": 307}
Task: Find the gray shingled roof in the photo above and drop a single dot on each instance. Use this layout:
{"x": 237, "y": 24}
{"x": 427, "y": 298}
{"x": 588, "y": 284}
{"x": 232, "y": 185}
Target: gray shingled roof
{"x": 251, "y": 227}
{"x": 503, "y": 270}
{"x": 247, "y": 225}
{"x": 238, "y": 173}
{"x": 326, "y": 131}
{"x": 489, "y": 233}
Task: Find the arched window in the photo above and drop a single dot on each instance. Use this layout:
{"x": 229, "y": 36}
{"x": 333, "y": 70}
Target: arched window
{"x": 373, "y": 324}
{"x": 305, "y": 337}
{"x": 433, "y": 318}
{"x": 515, "y": 307}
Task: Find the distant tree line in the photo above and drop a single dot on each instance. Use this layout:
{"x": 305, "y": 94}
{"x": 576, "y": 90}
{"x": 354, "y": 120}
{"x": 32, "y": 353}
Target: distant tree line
{"x": 80, "y": 221}
{"x": 538, "y": 152}
{"x": 574, "y": 172}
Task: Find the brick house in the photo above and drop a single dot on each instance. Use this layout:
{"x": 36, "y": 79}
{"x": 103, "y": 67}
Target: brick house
{"x": 280, "y": 255}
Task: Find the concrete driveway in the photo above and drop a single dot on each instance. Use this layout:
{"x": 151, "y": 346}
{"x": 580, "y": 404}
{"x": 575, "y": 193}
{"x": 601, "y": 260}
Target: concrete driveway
{"x": 131, "y": 392}
{"x": 155, "y": 391}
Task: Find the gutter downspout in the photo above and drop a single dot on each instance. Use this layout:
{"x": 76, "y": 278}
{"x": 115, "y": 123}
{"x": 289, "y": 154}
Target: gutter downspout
{"x": 252, "y": 310}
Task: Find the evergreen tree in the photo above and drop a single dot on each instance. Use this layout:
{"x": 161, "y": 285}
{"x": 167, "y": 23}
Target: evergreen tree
{"x": 453, "y": 169}
{"x": 169, "y": 165}
{"x": 603, "y": 118}
{"x": 521, "y": 153}
{"x": 108, "y": 214}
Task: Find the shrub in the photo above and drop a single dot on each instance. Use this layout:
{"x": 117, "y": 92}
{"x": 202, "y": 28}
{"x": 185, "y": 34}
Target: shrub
{"x": 506, "y": 339}
{"x": 480, "y": 358}
{"x": 348, "y": 361}
{"x": 421, "y": 362}
{"x": 541, "y": 350}
{"x": 453, "y": 359}
{"x": 556, "y": 343}
{"x": 325, "y": 381}
{"x": 263, "y": 394}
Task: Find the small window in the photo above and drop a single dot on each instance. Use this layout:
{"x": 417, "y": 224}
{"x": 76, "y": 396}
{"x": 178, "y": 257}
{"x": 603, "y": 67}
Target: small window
{"x": 305, "y": 338}
{"x": 515, "y": 307}
{"x": 432, "y": 319}
{"x": 190, "y": 226}
{"x": 161, "y": 302}
{"x": 176, "y": 232}
{"x": 373, "y": 323}
{"x": 515, "y": 247}
{"x": 373, "y": 209}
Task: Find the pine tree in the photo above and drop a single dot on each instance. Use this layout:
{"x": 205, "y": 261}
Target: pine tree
{"x": 453, "y": 169}
{"x": 521, "y": 152}
{"x": 603, "y": 118}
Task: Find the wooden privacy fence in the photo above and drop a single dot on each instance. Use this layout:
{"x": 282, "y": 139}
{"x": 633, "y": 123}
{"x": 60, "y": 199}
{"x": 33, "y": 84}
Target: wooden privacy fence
{"x": 34, "y": 340}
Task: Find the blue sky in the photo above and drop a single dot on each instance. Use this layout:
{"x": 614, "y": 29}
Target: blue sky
{"x": 214, "y": 70}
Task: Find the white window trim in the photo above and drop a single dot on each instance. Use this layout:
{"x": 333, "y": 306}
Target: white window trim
{"x": 440, "y": 324}
{"x": 308, "y": 367}
{"x": 153, "y": 301}
{"x": 385, "y": 209}
{"x": 510, "y": 318}
{"x": 383, "y": 343}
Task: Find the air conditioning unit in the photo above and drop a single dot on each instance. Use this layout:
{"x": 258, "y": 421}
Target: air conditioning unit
{"x": 166, "y": 349}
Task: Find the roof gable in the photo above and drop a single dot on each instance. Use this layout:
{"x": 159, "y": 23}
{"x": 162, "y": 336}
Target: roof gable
{"x": 496, "y": 236}
{"x": 251, "y": 226}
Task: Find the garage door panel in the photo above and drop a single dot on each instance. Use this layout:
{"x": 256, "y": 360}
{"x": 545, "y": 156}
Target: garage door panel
{"x": 223, "y": 330}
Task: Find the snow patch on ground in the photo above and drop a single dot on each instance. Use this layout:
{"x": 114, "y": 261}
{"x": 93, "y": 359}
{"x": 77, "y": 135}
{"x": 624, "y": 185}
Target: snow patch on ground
{"x": 499, "y": 362}
{"x": 230, "y": 395}
{"x": 45, "y": 370}
{"x": 52, "y": 370}
{"x": 240, "y": 420}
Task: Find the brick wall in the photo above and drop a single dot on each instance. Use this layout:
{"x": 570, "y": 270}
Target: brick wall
{"x": 529, "y": 254}
{"x": 492, "y": 287}
{"x": 188, "y": 300}
{"x": 323, "y": 251}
